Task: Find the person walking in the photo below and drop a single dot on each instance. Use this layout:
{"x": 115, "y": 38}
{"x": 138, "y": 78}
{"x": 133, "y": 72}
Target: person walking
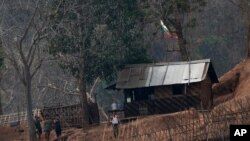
{"x": 58, "y": 129}
{"x": 47, "y": 127}
{"x": 38, "y": 127}
{"x": 115, "y": 123}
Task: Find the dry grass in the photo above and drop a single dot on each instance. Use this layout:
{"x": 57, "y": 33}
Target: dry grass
{"x": 232, "y": 107}
{"x": 183, "y": 126}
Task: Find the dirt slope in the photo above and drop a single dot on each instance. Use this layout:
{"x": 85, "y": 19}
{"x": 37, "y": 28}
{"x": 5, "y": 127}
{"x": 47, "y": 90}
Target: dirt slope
{"x": 235, "y": 84}
{"x": 232, "y": 91}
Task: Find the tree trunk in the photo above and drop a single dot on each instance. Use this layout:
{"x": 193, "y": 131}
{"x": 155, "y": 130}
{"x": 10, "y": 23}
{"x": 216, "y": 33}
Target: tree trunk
{"x": 1, "y": 63}
{"x": 29, "y": 108}
{"x": 179, "y": 31}
{"x": 183, "y": 49}
{"x": 84, "y": 104}
{"x": 1, "y": 109}
{"x": 82, "y": 78}
{"x": 248, "y": 46}
{"x": 182, "y": 43}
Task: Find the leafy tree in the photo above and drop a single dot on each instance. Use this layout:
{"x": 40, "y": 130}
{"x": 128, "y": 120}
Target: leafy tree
{"x": 173, "y": 13}
{"x": 209, "y": 49}
{"x": 95, "y": 38}
{"x": 23, "y": 37}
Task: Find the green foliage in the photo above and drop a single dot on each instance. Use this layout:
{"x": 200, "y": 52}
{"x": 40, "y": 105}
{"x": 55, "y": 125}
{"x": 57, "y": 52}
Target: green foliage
{"x": 125, "y": 43}
{"x": 192, "y": 23}
{"x": 172, "y": 12}
{"x": 186, "y": 6}
{"x": 174, "y": 15}
{"x": 183, "y": 5}
{"x": 211, "y": 47}
{"x": 210, "y": 43}
{"x": 112, "y": 37}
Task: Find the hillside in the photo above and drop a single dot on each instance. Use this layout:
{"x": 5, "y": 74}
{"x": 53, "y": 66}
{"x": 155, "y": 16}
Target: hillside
{"x": 231, "y": 95}
{"x": 232, "y": 91}
{"x": 55, "y": 51}
{"x": 216, "y": 35}
{"x": 234, "y": 83}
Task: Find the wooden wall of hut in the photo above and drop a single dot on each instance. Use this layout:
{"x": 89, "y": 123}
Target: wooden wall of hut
{"x": 161, "y": 106}
{"x": 204, "y": 91}
{"x": 163, "y": 91}
{"x": 194, "y": 89}
{"x": 198, "y": 95}
{"x": 206, "y": 95}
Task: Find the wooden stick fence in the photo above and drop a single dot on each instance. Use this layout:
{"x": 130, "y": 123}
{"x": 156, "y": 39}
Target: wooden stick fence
{"x": 213, "y": 127}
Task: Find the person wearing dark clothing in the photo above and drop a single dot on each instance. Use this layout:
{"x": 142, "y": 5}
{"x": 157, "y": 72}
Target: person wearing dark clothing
{"x": 47, "y": 127}
{"x": 38, "y": 127}
{"x": 58, "y": 129}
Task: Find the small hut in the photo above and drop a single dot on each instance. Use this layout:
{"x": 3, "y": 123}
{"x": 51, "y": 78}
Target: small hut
{"x": 166, "y": 87}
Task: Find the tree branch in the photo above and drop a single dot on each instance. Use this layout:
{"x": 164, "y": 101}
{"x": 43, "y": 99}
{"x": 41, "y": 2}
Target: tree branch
{"x": 61, "y": 90}
{"x": 13, "y": 60}
{"x": 37, "y": 67}
{"x": 24, "y": 35}
{"x": 237, "y": 5}
{"x": 37, "y": 37}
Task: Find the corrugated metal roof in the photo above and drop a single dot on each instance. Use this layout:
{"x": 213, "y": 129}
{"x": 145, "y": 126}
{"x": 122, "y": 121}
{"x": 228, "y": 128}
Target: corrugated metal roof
{"x": 147, "y": 75}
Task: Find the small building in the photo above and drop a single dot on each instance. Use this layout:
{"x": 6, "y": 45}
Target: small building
{"x": 166, "y": 87}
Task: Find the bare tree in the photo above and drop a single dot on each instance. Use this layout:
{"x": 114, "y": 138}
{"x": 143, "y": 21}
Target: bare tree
{"x": 23, "y": 34}
{"x": 1, "y": 64}
{"x": 1, "y": 109}
{"x": 244, "y": 6}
